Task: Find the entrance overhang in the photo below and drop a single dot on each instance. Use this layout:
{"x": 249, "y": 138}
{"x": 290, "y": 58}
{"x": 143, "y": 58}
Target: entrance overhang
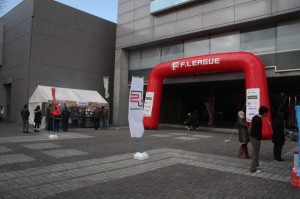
{"x": 250, "y": 64}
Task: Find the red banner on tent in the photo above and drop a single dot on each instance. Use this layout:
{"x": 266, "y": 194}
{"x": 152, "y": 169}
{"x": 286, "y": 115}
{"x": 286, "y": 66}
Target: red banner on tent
{"x": 56, "y": 110}
{"x": 53, "y": 94}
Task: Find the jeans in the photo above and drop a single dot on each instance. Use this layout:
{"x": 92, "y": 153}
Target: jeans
{"x": 25, "y": 126}
{"x": 103, "y": 124}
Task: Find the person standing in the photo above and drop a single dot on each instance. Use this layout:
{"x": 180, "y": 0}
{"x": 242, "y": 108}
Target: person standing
{"x": 83, "y": 118}
{"x": 49, "y": 117}
{"x": 25, "y": 117}
{"x": 104, "y": 117}
{"x": 243, "y": 135}
{"x": 188, "y": 121}
{"x": 195, "y": 120}
{"x": 37, "y": 118}
{"x": 1, "y": 112}
{"x": 97, "y": 115}
{"x": 65, "y": 119}
{"x": 255, "y": 137}
{"x": 278, "y": 135}
{"x": 57, "y": 119}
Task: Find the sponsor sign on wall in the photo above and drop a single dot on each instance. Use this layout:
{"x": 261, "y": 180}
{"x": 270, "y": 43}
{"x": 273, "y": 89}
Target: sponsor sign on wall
{"x": 148, "y": 105}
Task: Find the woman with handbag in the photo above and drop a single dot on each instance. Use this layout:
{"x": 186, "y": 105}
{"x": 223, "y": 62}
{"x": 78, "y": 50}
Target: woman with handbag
{"x": 243, "y": 135}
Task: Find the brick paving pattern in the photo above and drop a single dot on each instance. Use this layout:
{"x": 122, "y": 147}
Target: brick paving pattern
{"x": 85, "y": 163}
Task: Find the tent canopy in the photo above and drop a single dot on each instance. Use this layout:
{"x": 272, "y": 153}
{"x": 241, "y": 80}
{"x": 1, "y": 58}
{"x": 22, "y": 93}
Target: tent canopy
{"x": 44, "y": 94}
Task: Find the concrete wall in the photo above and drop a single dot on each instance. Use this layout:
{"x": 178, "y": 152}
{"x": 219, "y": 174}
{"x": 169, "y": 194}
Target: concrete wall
{"x": 71, "y": 48}
{"x": 64, "y": 47}
{"x": 137, "y": 26}
{"x": 121, "y": 90}
{"x": 16, "y": 53}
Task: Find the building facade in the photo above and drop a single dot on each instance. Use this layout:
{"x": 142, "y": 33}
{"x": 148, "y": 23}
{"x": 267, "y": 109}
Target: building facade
{"x": 48, "y": 43}
{"x": 150, "y": 32}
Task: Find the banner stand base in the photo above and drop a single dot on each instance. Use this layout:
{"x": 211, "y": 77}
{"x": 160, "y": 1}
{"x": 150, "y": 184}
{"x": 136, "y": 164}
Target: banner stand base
{"x": 53, "y": 136}
{"x": 141, "y": 156}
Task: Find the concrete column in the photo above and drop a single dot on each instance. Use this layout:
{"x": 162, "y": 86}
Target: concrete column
{"x": 121, "y": 89}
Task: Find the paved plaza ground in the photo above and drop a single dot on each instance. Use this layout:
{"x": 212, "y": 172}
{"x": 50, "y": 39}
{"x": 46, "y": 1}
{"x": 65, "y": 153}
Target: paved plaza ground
{"x": 88, "y": 163}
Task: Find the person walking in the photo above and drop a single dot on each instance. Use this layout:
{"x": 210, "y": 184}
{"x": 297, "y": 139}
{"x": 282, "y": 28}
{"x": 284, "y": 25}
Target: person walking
{"x": 243, "y": 135}
{"x": 25, "y": 117}
{"x": 278, "y": 135}
{"x": 65, "y": 115}
{"x": 255, "y": 137}
{"x": 37, "y": 118}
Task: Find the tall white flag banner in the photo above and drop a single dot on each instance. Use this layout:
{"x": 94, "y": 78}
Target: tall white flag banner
{"x": 135, "y": 112}
{"x": 105, "y": 83}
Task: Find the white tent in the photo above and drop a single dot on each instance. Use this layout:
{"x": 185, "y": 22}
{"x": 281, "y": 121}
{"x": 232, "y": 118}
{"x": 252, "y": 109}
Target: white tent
{"x": 44, "y": 94}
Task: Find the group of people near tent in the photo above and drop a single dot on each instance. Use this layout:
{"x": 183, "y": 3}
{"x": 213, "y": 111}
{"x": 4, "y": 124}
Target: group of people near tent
{"x": 54, "y": 121}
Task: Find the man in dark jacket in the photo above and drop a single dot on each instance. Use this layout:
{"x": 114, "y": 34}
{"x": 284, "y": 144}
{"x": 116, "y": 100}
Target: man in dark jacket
{"x": 195, "y": 120}
{"x": 255, "y": 137}
{"x": 97, "y": 115}
{"x": 49, "y": 117}
{"x": 65, "y": 115}
{"x": 25, "y": 116}
{"x": 278, "y": 135}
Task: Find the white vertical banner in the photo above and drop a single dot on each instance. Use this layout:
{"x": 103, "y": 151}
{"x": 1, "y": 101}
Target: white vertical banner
{"x": 105, "y": 83}
{"x": 252, "y": 103}
{"x": 135, "y": 112}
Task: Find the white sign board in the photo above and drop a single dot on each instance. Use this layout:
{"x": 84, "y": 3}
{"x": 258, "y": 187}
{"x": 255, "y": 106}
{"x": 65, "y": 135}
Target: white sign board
{"x": 252, "y": 103}
{"x": 148, "y": 104}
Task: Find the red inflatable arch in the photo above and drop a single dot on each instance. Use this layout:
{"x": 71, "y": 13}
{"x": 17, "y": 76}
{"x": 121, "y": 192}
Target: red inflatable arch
{"x": 250, "y": 64}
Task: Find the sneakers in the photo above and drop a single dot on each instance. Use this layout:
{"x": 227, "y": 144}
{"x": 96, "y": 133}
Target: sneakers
{"x": 259, "y": 165}
{"x": 257, "y": 171}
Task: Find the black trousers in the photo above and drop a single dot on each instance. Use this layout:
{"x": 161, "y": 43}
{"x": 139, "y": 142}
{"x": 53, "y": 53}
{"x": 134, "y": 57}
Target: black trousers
{"x": 277, "y": 151}
{"x": 50, "y": 124}
{"x": 65, "y": 124}
{"x": 56, "y": 125}
{"x": 96, "y": 123}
